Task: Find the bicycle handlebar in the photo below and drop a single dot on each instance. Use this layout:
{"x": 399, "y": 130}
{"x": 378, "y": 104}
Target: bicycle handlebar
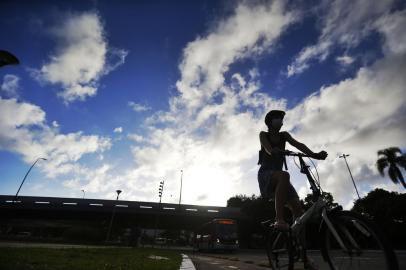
{"x": 294, "y": 154}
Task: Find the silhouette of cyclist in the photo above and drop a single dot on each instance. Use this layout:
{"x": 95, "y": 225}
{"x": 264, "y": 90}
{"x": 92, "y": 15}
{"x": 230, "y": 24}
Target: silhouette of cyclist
{"x": 273, "y": 181}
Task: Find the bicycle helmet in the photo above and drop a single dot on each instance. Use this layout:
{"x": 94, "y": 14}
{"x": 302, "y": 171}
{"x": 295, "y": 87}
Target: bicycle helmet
{"x": 272, "y": 115}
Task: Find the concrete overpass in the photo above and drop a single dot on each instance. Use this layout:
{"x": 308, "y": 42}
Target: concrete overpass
{"x": 50, "y": 212}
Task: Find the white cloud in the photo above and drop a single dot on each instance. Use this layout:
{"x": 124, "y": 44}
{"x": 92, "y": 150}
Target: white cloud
{"x": 10, "y": 85}
{"x": 345, "y": 24}
{"x": 250, "y": 31}
{"x": 93, "y": 180}
{"x": 136, "y": 138}
{"x": 82, "y": 58}
{"x": 357, "y": 116}
{"x": 23, "y": 130}
{"x": 345, "y": 60}
{"x": 392, "y": 26}
{"x": 212, "y": 140}
{"x": 118, "y": 130}
{"x": 138, "y": 107}
{"x": 170, "y": 149}
{"x": 211, "y": 129}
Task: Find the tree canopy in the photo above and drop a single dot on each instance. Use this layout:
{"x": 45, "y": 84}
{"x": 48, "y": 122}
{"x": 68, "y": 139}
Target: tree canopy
{"x": 392, "y": 158}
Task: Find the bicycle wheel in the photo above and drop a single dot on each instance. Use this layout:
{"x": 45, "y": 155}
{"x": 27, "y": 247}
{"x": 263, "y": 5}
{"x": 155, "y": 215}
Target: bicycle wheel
{"x": 279, "y": 250}
{"x": 365, "y": 246}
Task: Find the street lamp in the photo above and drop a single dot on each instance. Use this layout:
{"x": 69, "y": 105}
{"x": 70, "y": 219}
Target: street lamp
{"x": 112, "y": 217}
{"x": 353, "y": 182}
{"x": 160, "y": 191}
{"x": 83, "y": 193}
{"x": 15, "y": 197}
{"x": 181, "y": 182}
{"x": 118, "y": 193}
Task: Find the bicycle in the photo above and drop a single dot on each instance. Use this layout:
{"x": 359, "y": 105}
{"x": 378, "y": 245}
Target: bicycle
{"x": 347, "y": 240}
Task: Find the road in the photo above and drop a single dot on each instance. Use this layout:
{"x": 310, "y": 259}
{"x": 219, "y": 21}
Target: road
{"x": 257, "y": 259}
{"x": 203, "y": 262}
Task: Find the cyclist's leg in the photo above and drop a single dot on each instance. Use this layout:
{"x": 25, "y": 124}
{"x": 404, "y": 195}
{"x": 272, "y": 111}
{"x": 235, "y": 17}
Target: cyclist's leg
{"x": 293, "y": 202}
{"x": 280, "y": 184}
{"x": 296, "y": 208}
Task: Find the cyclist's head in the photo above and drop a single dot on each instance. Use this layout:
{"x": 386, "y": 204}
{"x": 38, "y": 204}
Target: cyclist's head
{"x": 274, "y": 119}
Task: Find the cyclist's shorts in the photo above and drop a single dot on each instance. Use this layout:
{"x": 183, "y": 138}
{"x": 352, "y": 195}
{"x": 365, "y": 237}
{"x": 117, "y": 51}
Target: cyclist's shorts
{"x": 264, "y": 181}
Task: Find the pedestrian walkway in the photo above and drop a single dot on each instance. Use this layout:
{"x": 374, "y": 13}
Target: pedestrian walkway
{"x": 187, "y": 263}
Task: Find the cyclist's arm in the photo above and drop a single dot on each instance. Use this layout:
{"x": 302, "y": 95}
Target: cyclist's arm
{"x": 300, "y": 146}
{"x": 265, "y": 142}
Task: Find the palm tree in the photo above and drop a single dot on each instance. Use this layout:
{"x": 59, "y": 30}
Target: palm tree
{"x": 7, "y": 58}
{"x": 393, "y": 158}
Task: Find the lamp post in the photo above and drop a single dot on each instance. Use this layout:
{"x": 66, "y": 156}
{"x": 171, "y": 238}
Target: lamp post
{"x": 118, "y": 194}
{"x": 112, "y": 217}
{"x": 160, "y": 191}
{"x": 83, "y": 193}
{"x": 181, "y": 182}
{"x": 15, "y": 197}
{"x": 352, "y": 178}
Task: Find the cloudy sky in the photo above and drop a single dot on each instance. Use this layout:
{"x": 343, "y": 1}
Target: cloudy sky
{"x": 124, "y": 95}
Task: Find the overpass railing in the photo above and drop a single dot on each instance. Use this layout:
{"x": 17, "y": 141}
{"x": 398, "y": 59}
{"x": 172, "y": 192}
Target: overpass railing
{"x": 28, "y": 202}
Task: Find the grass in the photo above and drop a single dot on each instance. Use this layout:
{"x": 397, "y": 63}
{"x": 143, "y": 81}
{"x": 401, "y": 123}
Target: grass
{"x": 88, "y": 259}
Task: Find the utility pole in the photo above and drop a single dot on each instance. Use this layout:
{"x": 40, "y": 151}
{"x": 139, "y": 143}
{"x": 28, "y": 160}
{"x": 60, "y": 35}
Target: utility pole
{"x": 112, "y": 217}
{"x": 15, "y": 197}
{"x": 181, "y": 182}
{"x": 352, "y": 178}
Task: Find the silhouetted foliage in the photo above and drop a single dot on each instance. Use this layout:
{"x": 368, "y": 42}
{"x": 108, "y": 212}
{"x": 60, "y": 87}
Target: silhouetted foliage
{"x": 392, "y": 158}
{"x": 258, "y": 209}
{"x": 387, "y": 210}
{"x": 255, "y": 207}
{"x": 307, "y": 202}
{"x": 6, "y": 58}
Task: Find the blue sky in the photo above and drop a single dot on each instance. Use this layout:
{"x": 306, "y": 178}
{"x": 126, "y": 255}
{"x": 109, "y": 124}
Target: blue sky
{"x": 123, "y": 95}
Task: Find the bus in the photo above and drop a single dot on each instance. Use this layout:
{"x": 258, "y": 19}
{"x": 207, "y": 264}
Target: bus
{"x": 218, "y": 234}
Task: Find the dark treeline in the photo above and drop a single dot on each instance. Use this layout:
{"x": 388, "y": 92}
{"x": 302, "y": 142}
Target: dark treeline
{"x": 386, "y": 209}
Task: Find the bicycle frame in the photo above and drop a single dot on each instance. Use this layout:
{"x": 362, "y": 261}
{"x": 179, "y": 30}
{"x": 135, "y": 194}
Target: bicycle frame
{"x": 336, "y": 233}
{"x": 318, "y": 206}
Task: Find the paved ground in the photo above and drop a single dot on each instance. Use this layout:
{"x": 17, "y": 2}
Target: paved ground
{"x": 202, "y": 262}
{"x": 257, "y": 259}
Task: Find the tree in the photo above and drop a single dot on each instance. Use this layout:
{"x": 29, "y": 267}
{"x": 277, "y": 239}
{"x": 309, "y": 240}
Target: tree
{"x": 392, "y": 157}
{"x": 255, "y": 209}
{"x": 387, "y": 211}
{"x": 308, "y": 200}
{"x": 6, "y": 58}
